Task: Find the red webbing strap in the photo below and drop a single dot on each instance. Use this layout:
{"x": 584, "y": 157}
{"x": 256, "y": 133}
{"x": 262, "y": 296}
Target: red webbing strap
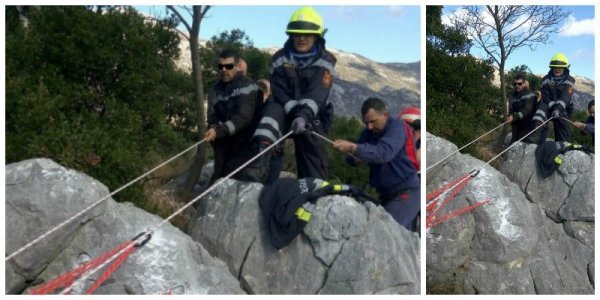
{"x": 111, "y": 269}
{"x": 68, "y": 278}
{"x": 455, "y": 191}
{"x": 441, "y": 190}
{"x": 434, "y": 221}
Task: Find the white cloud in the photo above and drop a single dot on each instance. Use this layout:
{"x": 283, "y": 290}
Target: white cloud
{"x": 580, "y": 53}
{"x": 395, "y": 10}
{"x": 446, "y": 19}
{"x": 573, "y": 27}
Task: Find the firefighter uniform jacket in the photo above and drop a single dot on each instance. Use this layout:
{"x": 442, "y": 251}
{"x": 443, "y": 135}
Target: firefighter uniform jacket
{"x": 300, "y": 84}
{"x": 288, "y": 203}
{"x": 232, "y": 106}
{"x": 522, "y": 108}
{"x": 232, "y": 112}
{"x": 302, "y": 90}
{"x": 556, "y": 96}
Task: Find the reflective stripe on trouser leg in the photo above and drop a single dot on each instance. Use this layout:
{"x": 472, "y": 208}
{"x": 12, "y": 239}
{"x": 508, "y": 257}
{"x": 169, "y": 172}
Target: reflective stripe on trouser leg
{"x": 271, "y": 123}
{"x": 541, "y": 113}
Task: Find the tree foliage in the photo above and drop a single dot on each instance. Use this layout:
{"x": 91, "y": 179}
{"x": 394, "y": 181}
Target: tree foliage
{"x": 462, "y": 102}
{"x": 339, "y": 171}
{"x": 91, "y": 90}
{"x": 534, "y": 80}
{"x": 258, "y": 61}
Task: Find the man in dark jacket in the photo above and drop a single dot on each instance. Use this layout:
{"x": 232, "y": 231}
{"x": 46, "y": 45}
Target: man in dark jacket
{"x": 522, "y": 104}
{"x": 382, "y": 145}
{"x": 557, "y": 91}
{"x": 232, "y": 106}
{"x": 301, "y": 77}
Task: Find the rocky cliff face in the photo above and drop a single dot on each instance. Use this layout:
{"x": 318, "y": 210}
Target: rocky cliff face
{"x": 41, "y": 194}
{"x": 346, "y": 248}
{"x": 534, "y": 237}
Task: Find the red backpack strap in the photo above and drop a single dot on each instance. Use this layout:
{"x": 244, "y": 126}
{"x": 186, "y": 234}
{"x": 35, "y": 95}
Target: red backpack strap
{"x": 411, "y": 150}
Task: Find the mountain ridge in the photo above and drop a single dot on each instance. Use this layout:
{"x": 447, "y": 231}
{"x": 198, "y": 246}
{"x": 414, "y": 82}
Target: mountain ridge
{"x": 357, "y": 78}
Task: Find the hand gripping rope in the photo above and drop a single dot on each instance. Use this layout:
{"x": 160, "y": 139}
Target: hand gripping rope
{"x": 121, "y": 252}
{"x": 329, "y": 141}
{"x": 433, "y": 204}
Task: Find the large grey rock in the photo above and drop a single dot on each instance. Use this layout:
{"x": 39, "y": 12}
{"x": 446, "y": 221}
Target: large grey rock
{"x": 170, "y": 262}
{"x": 346, "y": 248}
{"x": 40, "y": 195}
{"x": 568, "y": 194}
{"x": 559, "y": 263}
{"x": 511, "y": 245}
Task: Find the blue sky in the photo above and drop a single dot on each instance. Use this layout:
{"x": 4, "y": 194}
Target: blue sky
{"x": 576, "y": 40}
{"x": 380, "y": 33}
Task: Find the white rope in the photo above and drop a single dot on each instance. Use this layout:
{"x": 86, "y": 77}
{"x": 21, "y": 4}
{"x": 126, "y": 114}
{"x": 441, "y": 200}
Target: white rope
{"x": 572, "y": 123}
{"x": 220, "y": 181}
{"x": 488, "y": 162}
{"x": 148, "y": 233}
{"x": 98, "y": 202}
{"x": 448, "y": 156}
{"x": 507, "y": 148}
{"x": 331, "y": 142}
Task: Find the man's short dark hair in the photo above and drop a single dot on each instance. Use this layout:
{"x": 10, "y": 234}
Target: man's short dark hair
{"x": 227, "y": 53}
{"x": 373, "y": 103}
{"x": 590, "y": 104}
{"x": 520, "y": 77}
{"x": 262, "y": 86}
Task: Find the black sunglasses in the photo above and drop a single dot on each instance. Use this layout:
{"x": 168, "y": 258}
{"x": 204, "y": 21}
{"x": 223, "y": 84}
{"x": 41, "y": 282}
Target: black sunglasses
{"x": 518, "y": 83}
{"x": 226, "y": 66}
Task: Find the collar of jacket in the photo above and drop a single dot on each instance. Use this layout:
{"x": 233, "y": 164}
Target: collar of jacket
{"x": 319, "y": 45}
{"x": 560, "y": 79}
{"x": 522, "y": 93}
{"x": 233, "y": 80}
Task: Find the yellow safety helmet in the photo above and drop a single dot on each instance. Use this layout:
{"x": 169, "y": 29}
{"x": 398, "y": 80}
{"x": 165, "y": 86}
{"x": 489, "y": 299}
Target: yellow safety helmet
{"x": 305, "y": 21}
{"x": 559, "y": 60}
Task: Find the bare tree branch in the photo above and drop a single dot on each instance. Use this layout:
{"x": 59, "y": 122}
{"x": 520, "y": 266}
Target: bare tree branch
{"x": 500, "y": 30}
{"x": 181, "y": 18}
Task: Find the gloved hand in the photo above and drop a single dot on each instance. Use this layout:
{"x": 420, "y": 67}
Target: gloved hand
{"x": 298, "y": 125}
{"x": 556, "y": 114}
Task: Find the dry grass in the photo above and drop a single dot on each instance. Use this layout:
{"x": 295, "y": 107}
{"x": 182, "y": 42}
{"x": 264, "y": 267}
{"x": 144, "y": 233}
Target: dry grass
{"x": 164, "y": 201}
{"x": 163, "y": 197}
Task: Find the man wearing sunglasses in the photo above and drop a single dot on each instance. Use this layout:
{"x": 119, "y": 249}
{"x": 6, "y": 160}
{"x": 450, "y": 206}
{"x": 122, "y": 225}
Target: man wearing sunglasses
{"x": 232, "y": 105}
{"x": 301, "y": 78}
{"x": 522, "y": 104}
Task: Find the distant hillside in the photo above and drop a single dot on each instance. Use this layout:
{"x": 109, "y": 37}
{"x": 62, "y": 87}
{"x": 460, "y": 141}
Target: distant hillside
{"x": 584, "y": 92}
{"x": 358, "y": 78}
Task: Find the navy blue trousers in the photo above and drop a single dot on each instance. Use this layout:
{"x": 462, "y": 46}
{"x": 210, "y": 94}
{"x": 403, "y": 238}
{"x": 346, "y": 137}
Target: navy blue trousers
{"x": 405, "y": 209}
